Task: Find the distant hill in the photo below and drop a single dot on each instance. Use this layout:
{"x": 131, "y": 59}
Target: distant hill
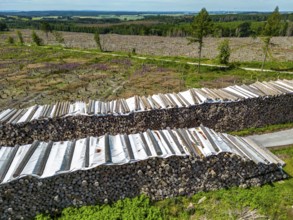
{"x": 97, "y": 13}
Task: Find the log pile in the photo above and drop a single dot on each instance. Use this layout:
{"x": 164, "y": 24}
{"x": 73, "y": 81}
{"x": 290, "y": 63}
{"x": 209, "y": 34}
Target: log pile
{"x": 78, "y": 154}
{"x": 47, "y": 177}
{"x": 230, "y": 116}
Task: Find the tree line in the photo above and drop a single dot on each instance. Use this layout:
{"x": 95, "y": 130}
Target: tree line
{"x": 238, "y": 25}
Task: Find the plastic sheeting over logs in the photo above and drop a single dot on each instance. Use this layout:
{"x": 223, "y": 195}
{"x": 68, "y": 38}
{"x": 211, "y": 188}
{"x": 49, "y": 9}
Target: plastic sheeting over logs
{"x": 137, "y": 104}
{"x": 42, "y": 159}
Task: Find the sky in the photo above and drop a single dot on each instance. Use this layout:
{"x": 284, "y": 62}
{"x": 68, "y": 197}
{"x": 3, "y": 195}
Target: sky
{"x": 147, "y": 5}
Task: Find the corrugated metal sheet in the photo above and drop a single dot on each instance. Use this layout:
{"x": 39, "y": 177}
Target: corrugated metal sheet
{"x": 42, "y": 159}
{"x": 137, "y": 104}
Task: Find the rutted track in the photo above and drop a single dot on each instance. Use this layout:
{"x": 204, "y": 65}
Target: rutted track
{"x": 232, "y": 108}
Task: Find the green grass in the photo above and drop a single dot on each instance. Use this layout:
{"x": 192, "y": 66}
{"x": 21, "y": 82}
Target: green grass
{"x": 263, "y": 130}
{"x": 272, "y": 65}
{"x": 274, "y": 201}
{"x": 137, "y": 208}
{"x": 219, "y": 77}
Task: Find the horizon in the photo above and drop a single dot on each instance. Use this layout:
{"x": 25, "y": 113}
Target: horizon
{"x": 144, "y": 5}
{"x": 144, "y": 10}
{"x": 149, "y": 11}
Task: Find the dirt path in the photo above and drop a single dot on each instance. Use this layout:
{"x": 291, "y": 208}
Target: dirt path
{"x": 178, "y": 61}
{"x": 275, "y": 139}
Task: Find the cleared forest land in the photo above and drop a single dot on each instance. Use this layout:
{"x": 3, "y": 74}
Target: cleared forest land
{"x": 41, "y": 75}
{"x": 243, "y": 49}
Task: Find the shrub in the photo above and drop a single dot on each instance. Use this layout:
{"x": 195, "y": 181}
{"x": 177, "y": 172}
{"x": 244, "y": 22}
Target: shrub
{"x": 59, "y": 37}
{"x": 98, "y": 41}
{"x": 224, "y": 52}
{"x": 36, "y": 39}
{"x": 20, "y": 38}
{"x": 133, "y": 51}
{"x": 10, "y": 40}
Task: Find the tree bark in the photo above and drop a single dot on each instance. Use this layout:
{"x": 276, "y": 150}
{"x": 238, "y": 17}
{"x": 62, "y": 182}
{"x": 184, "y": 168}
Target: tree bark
{"x": 264, "y": 60}
{"x": 267, "y": 44}
{"x": 199, "y": 56}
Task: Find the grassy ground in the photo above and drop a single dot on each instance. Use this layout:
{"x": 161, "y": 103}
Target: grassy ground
{"x": 276, "y": 65}
{"x": 273, "y": 65}
{"x": 263, "y": 130}
{"x": 40, "y": 75}
{"x": 272, "y": 201}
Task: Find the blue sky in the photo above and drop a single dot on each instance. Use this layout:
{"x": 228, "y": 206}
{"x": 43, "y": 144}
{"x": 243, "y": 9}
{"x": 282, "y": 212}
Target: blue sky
{"x": 147, "y": 5}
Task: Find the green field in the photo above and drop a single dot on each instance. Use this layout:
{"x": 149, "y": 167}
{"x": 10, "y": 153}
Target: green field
{"x": 120, "y": 17}
{"x": 45, "y": 17}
